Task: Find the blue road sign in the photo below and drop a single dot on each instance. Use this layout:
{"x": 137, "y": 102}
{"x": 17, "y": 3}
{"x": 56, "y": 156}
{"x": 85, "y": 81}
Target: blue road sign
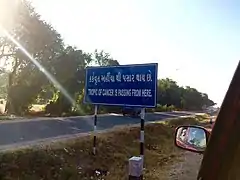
{"x": 125, "y": 85}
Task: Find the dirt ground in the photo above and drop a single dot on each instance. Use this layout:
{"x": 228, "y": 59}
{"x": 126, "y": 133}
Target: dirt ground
{"x": 187, "y": 167}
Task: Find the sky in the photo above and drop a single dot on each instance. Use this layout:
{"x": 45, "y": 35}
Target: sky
{"x": 195, "y": 43}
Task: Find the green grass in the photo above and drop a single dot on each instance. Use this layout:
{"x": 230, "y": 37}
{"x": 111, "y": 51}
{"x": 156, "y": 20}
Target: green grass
{"x": 37, "y": 107}
{"x": 6, "y": 117}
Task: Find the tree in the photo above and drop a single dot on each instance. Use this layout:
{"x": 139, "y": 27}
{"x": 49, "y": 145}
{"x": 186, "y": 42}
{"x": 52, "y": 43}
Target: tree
{"x": 169, "y": 93}
{"x": 104, "y": 59}
{"x": 3, "y": 85}
{"x": 69, "y": 70}
{"x": 42, "y": 42}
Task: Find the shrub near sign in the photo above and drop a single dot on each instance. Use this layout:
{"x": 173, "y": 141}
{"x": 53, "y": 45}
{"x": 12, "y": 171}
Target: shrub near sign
{"x": 128, "y": 85}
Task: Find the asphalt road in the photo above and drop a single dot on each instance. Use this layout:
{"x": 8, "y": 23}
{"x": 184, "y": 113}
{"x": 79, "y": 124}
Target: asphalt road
{"x": 21, "y": 131}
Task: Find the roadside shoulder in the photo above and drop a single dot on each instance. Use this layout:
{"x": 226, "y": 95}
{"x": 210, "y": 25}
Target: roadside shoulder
{"x": 187, "y": 167}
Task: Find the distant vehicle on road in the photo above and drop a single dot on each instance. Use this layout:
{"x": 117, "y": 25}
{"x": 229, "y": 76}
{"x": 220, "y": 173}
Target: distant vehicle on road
{"x": 132, "y": 111}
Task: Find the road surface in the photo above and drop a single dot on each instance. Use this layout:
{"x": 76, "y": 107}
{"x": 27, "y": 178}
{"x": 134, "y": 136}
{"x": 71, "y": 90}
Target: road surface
{"x": 23, "y": 131}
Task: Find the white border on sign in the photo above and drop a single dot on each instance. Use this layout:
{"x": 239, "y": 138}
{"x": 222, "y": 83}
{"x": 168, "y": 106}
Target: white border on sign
{"x": 97, "y": 67}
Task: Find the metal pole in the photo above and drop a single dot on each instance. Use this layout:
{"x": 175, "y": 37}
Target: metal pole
{"x": 136, "y": 163}
{"x": 95, "y": 129}
{"x": 142, "y": 133}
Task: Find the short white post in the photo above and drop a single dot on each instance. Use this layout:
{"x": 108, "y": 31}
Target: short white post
{"x": 135, "y": 168}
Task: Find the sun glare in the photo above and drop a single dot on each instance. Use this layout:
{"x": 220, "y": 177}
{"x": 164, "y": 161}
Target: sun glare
{"x": 8, "y": 8}
{"x": 42, "y": 69}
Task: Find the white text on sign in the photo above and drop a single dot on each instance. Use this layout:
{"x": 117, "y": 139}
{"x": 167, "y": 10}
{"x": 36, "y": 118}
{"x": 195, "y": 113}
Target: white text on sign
{"x": 119, "y": 77}
{"x": 120, "y": 92}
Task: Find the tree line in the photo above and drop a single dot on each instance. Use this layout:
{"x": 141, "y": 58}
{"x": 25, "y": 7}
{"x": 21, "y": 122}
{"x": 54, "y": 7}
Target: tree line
{"x": 60, "y": 80}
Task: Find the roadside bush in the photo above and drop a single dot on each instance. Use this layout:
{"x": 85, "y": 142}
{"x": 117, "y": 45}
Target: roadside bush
{"x": 165, "y": 108}
{"x": 171, "y": 108}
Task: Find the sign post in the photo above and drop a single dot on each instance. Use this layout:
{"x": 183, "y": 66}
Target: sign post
{"x": 95, "y": 130}
{"x": 125, "y": 85}
{"x": 142, "y": 133}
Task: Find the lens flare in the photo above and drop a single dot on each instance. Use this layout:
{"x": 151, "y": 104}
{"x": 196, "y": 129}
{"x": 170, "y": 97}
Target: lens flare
{"x": 43, "y": 70}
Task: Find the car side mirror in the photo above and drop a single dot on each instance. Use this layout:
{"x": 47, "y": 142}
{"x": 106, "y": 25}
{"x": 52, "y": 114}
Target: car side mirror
{"x": 191, "y": 138}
